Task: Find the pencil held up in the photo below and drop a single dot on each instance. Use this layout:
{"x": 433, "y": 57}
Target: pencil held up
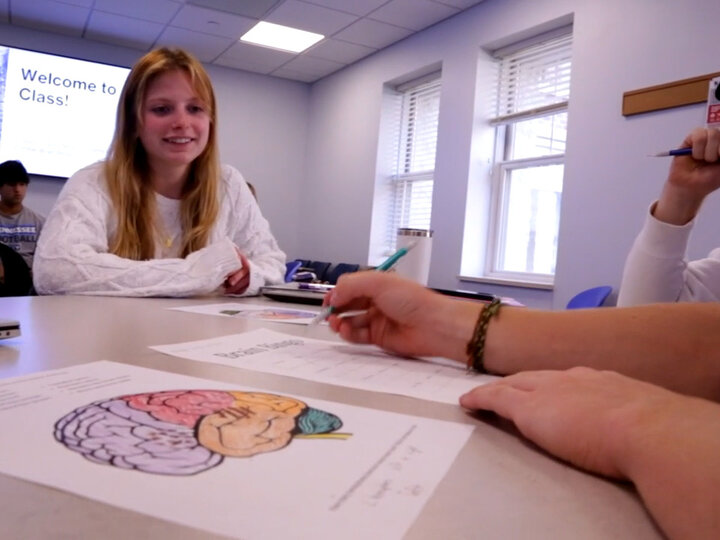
{"x": 676, "y": 152}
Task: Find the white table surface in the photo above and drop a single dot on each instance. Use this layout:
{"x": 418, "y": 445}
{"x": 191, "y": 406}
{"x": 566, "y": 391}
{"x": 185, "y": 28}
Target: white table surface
{"x": 500, "y": 486}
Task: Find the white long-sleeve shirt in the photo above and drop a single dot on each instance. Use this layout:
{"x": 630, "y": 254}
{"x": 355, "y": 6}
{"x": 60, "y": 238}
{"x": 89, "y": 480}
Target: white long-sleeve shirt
{"x": 656, "y": 269}
{"x": 72, "y": 254}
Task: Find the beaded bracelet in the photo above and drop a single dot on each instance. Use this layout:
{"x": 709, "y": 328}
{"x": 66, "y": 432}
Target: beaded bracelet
{"x": 476, "y": 346}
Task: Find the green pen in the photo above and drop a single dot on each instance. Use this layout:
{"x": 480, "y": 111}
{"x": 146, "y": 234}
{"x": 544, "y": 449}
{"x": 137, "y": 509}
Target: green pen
{"x": 386, "y": 265}
{"x": 395, "y": 257}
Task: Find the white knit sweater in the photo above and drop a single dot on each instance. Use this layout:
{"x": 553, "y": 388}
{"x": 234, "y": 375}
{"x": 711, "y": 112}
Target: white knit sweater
{"x": 656, "y": 269}
{"x": 72, "y": 253}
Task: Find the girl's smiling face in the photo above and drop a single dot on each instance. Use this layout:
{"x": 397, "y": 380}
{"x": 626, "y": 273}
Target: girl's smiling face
{"x": 175, "y": 122}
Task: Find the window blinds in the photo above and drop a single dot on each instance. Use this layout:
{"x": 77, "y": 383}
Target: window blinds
{"x": 534, "y": 81}
{"x": 415, "y": 164}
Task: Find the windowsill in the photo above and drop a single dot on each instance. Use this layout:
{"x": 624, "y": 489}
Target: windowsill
{"x": 509, "y": 282}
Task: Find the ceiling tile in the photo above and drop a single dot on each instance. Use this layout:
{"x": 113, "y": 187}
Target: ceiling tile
{"x": 243, "y": 64}
{"x": 212, "y": 22}
{"x": 372, "y": 33}
{"x": 254, "y": 9}
{"x": 461, "y": 4}
{"x": 316, "y": 66}
{"x": 295, "y": 75}
{"x": 253, "y": 58}
{"x": 204, "y": 46}
{"x": 210, "y": 29}
{"x": 123, "y": 31}
{"x": 50, "y": 16}
{"x": 339, "y": 51}
{"x": 311, "y": 17}
{"x": 81, "y": 3}
{"x": 156, "y": 10}
{"x": 413, "y": 14}
{"x": 356, "y": 7}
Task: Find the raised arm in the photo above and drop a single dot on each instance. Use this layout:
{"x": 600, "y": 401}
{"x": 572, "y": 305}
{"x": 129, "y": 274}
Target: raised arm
{"x": 656, "y": 269}
{"x": 691, "y": 178}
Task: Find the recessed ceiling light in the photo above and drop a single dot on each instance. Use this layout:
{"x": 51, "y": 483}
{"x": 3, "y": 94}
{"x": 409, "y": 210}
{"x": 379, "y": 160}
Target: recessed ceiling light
{"x": 281, "y": 37}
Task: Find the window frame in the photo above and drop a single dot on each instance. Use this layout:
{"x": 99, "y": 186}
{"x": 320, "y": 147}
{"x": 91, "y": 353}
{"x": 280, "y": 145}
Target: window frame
{"x": 503, "y": 124}
{"x": 498, "y": 211}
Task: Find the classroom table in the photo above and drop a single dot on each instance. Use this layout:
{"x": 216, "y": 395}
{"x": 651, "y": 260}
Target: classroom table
{"x": 500, "y": 485}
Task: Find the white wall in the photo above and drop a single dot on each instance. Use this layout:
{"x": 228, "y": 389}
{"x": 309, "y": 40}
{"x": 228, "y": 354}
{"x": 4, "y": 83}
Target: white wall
{"x": 609, "y": 181}
{"x": 263, "y": 124}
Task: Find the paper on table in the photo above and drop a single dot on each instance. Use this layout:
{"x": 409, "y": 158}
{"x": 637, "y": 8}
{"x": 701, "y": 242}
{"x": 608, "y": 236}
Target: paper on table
{"x": 367, "y": 478}
{"x": 356, "y": 366}
{"x": 261, "y": 312}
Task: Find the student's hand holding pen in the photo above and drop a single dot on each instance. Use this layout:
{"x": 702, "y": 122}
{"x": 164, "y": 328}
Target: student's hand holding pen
{"x": 691, "y": 178}
{"x": 402, "y": 316}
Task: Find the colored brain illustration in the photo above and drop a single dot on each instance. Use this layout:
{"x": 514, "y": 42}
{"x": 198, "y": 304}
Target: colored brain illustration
{"x": 184, "y": 432}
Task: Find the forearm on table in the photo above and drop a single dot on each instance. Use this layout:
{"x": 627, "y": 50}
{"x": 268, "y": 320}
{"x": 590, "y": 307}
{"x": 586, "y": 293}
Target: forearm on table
{"x": 81, "y": 270}
{"x": 674, "y": 345}
{"x": 673, "y": 458}
{"x": 268, "y": 269}
{"x": 450, "y": 324}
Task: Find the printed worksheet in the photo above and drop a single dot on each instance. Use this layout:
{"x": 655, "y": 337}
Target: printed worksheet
{"x": 345, "y": 364}
{"x": 262, "y": 312}
{"x": 223, "y": 458}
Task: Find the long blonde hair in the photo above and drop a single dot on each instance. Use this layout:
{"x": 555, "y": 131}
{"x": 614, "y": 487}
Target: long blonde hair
{"x": 127, "y": 170}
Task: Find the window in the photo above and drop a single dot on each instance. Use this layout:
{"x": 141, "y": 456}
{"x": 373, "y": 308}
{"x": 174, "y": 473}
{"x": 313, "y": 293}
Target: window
{"x": 413, "y": 168}
{"x": 531, "y": 129}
